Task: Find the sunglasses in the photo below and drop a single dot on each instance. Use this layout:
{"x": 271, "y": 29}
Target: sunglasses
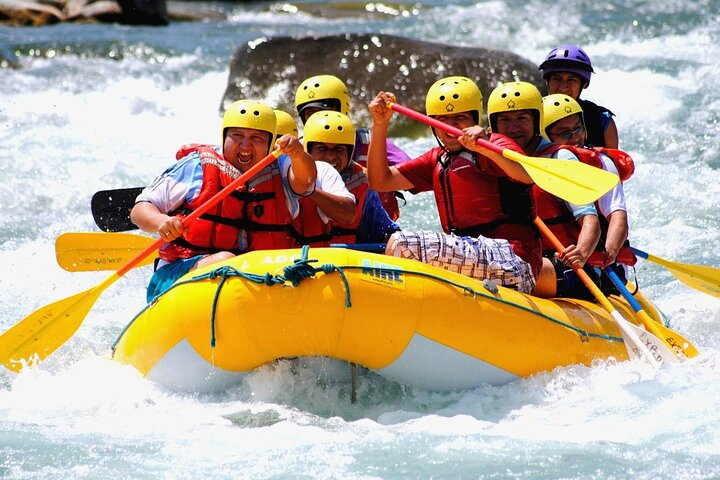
{"x": 570, "y": 134}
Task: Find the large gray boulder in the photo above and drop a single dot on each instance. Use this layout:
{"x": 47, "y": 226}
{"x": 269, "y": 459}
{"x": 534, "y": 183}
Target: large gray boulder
{"x": 273, "y": 68}
{"x": 44, "y": 12}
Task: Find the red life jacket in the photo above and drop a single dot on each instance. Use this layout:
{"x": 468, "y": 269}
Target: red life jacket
{"x": 258, "y": 207}
{"x": 472, "y": 202}
{"x": 591, "y": 156}
{"x": 556, "y": 215}
{"x": 268, "y": 222}
{"x": 309, "y": 226}
{"x": 208, "y": 235}
{"x": 355, "y": 178}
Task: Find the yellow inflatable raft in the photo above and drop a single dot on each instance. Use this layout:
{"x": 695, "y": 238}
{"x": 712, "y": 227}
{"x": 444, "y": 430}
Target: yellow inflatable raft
{"x": 407, "y": 321}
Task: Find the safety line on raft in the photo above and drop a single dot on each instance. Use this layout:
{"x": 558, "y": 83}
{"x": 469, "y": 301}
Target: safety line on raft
{"x": 301, "y": 269}
{"x": 295, "y": 273}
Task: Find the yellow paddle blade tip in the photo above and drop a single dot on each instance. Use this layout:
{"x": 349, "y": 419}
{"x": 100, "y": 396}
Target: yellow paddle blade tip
{"x": 571, "y": 180}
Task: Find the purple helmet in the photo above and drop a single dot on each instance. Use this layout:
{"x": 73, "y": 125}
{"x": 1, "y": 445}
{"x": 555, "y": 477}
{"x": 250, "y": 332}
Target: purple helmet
{"x": 568, "y": 58}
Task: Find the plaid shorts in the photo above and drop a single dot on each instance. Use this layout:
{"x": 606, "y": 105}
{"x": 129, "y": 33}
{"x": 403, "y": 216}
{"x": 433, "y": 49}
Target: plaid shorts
{"x": 482, "y": 258}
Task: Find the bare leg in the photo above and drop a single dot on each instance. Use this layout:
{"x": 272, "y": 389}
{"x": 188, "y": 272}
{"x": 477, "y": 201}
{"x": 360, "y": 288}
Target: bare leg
{"x": 214, "y": 258}
{"x": 546, "y": 283}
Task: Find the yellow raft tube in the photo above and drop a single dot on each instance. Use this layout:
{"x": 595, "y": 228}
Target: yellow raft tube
{"x": 409, "y": 322}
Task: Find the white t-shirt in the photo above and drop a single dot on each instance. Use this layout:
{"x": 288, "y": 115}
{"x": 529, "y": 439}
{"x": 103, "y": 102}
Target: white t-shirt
{"x": 614, "y": 200}
{"x": 329, "y": 180}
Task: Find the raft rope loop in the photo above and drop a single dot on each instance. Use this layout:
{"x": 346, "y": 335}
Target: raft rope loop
{"x": 295, "y": 274}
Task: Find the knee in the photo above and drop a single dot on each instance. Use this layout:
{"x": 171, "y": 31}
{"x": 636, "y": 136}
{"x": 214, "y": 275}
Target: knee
{"x": 392, "y": 243}
{"x": 214, "y": 258}
{"x": 546, "y": 282}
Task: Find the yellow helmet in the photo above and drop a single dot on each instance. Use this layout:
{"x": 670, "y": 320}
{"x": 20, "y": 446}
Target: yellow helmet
{"x": 285, "y": 124}
{"x": 454, "y": 95}
{"x": 324, "y": 91}
{"x": 329, "y": 127}
{"x": 250, "y": 114}
{"x": 513, "y": 96}
{"x": 556, "y": 107}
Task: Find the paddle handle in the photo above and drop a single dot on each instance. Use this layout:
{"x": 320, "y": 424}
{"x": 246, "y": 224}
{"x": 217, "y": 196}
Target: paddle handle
{"x": 641, "y": 313}
{"x": 640, "y": 253}
{"x": 214, "y": 200}
{"x": 431, "y": 122}
{"x": 623, "y": 289}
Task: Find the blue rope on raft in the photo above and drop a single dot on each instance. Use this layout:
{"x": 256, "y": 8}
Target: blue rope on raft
{"x": 295, "y": 273}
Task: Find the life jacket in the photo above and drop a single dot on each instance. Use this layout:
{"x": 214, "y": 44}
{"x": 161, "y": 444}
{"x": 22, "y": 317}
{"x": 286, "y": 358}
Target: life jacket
{"x": 216, "y": 230}
{"x": 355, "y": 178}
{"x": 360, "y": 155}
{"x": 267, "y": 221}
{"x": 624, "y": 164}
{"x": 592, "y": 114}
{"x": 472, "y": 202}
{"x": 309, "y": 226}
{"x": 557, "y": 216}
{"x": 258, "y": 208}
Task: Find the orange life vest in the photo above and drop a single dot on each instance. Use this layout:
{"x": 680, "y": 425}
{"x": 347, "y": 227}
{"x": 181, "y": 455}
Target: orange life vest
{"x": 258, "y": 207}
{"x": 217, "y": 230}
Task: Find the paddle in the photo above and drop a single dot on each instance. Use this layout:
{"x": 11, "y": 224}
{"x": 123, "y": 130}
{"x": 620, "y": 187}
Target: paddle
{"x": 677, "y": 343}
{"x": 47, "y": 329}
{"x": 111, "y": 209}
{"x": 95, "y": 251}
{"x": 639, "y": 342}
{"x": 573, "y": 181}
{"x": 705, "y": 279}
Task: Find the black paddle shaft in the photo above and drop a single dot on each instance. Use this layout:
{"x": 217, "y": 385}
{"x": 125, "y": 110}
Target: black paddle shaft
{"x": 111, "y": 209}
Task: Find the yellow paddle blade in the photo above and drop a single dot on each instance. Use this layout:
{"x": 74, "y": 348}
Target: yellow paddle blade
{"x": 705, "y": 279}
{"x": 45, "y": 330}
{"x": 678, "y": 343}
{"x": 572, "y": 181}
{"x": 95, "y": 251}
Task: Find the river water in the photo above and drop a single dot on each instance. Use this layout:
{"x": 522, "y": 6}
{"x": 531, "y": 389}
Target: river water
{"x": 96, "y": 107}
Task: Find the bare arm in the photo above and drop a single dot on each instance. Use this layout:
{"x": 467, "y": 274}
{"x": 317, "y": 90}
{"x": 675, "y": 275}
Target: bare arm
{"x": 381, "y": 176}
{"x": 339, "y": 209}
{"x": 303, "y": 171}
{"x": 147, "y": 216}
{"x": 611, "y": 135}
{"x": 513, "y": 169}
{"x": 587, "y": 241}
{"x": 617, "y": 233}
